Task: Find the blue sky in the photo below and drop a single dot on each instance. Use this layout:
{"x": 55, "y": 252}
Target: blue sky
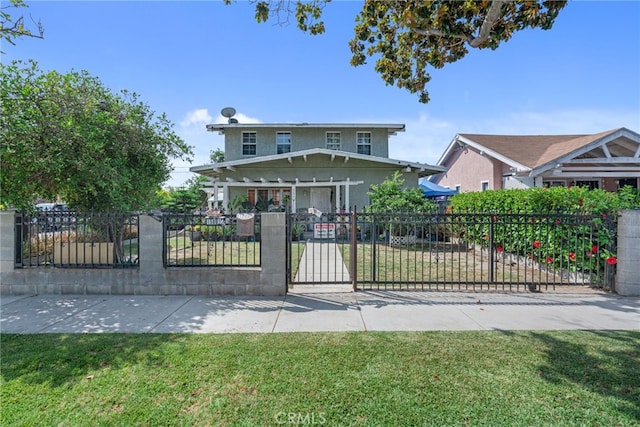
{"x": 191, "y": 59}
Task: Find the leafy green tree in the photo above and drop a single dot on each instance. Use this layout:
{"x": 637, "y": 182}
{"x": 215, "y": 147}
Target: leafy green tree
{"x": 396, "y": 206}
{"x": 216, "y": 156}
{"x": 68, "y": 136}
{"x": 391, "y": 196}
{"x": 12, "y": 28}
{"x": 406, "y": 37}
{"x": 187, "y": 198}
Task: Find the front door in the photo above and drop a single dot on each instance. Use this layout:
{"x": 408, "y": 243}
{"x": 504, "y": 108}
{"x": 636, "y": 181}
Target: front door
{"x": 321, "y": 199}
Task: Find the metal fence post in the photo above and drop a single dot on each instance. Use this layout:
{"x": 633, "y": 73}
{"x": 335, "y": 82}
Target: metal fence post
{"x": 492, "y": 265}
{"x": 354, "y": 250}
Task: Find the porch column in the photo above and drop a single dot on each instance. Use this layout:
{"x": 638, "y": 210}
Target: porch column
{"x": 347, "y": 187}
{"x": 337, "y": 198}
{"x": 215, "y": 197}
{"x": 225, "y": 198}
{"x": 293, "y": 199}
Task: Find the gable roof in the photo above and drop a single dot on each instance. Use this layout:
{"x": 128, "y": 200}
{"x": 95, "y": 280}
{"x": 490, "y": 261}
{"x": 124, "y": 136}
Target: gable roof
{"x": 215, "y": 169}
{"x": 536, "y": 153}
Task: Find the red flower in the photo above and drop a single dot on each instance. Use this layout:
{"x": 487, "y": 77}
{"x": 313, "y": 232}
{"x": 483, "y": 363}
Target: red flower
{"x": 495, "y": 217}
{"x": 589, "y": 253}
{"x": 486, "y": 237}
{"x": 536, "y": 244}
{"x": 499, "y": 249}
{"x": 612, "y": 260}
{"x": 572, "y": 256}
{"x": 549, "y": 260}
{"x": 557, "y": 222}
{"x": 594, "y": 249}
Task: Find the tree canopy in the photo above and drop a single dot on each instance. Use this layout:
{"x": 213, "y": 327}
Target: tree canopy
{"x": 406, "y": 37}
{"x": 68, "y": 136}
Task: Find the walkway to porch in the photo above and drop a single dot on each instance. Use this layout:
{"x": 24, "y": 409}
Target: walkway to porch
{"x": 321, "y": 262}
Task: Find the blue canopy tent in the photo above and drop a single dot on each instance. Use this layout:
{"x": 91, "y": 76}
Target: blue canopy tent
{"x": 429, "y": 189}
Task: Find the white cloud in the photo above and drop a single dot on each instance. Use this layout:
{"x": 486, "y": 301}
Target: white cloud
{"x": 198, "y": 117}
{"x": 424, "y": 139}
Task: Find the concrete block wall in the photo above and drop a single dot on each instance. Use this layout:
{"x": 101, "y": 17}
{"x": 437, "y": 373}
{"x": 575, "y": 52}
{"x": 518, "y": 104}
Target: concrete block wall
{"x": 151, "y": 278}
{"x": 628, "y": 268}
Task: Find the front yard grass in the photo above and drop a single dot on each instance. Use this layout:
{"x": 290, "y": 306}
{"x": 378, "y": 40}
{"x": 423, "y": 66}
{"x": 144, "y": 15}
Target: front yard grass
{"x": 184, "y": 251}
{"x": 491, "y": 378}
{"x": 433, "y": 263}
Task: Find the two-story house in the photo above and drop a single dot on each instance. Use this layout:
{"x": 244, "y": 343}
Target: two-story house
{"x": 330, "y": 167}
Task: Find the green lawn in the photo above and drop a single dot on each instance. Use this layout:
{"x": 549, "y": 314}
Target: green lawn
{"x": 184, "y": 251}
{"x": 397, "y": 379}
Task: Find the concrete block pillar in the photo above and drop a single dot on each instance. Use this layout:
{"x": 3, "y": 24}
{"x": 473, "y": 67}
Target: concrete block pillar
{"x": 7, "y": 246}
{"x": 151, "y": 244}
{"x": 273, "y": 277}
{"x": 628, "y": 268}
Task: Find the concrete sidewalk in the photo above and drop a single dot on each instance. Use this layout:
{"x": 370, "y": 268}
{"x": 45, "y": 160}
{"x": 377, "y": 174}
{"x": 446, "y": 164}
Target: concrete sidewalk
{"x": 308, "y": 311}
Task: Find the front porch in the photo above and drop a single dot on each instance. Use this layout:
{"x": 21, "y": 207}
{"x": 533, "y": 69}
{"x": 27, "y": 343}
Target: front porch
{"x": 327, "y": 196}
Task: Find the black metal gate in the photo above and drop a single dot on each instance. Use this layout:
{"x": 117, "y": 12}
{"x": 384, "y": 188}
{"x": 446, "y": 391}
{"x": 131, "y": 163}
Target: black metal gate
{"x": 457, "y": 251}
{"x": 319, "y": 248}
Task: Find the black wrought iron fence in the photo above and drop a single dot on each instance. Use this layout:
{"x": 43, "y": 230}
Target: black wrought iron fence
{"x": 499, "y": 251}
{"x": 444, "y": 250}
{"x": 196, "y": 240}
{"x": 76, "y": 240}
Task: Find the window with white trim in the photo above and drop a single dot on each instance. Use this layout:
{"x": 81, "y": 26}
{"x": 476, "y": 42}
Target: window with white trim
{"x": 484, "y": 185}
{"x": 248, "y": 143}
{"x": 333, "y": 140}
{"x": 283, "y": 142}
{"x": 363, "y": 142}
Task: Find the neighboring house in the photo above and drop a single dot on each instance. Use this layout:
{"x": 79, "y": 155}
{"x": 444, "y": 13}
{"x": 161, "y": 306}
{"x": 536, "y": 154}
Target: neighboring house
{"x": 607, "y": 160}
{"x": 330, "y": 167}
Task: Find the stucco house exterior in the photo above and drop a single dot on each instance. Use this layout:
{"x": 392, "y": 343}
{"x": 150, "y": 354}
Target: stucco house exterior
{"x": 328, "y": 166}
{"x": 608, "y": 160}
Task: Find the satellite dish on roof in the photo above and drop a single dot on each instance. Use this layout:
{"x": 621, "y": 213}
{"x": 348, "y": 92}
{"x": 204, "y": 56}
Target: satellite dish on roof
{"x": 228, "y": 112}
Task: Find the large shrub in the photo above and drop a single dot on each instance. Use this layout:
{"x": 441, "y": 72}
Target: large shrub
{"x": 567, "y": 228}
{"x": 555, "y": 199}
{"x": 399, "y": 204}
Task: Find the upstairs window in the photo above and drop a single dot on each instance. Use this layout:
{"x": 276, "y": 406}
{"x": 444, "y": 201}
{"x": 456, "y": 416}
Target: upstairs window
{"x": 333, "y": 140}
{"x": 283, "y": 142}
{"x": 363, "y": 143}
{"x": 248, "y": 143}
